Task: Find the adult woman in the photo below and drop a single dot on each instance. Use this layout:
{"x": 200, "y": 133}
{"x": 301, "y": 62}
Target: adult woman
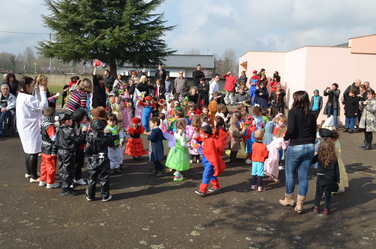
{"x": 368, "y": 120}
{"x": 301, "y": 131}
{"x": 277, "y": 100}
{"x": 78, "y": 98}
{"x": 99, "y": 91}
{"x": 262, "y": 96}
{"x": 332, "y": 106}
{"x": 12, "y": 83}
{"x": 29, "y": 114}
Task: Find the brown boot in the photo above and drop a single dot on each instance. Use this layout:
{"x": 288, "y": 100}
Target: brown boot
{"x": 299, "y": 204}
{"x": 287, "y": 201}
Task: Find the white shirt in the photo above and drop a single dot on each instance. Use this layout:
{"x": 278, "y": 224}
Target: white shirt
{"x": 29, "y": 115}
{"x": 213, "y": 87}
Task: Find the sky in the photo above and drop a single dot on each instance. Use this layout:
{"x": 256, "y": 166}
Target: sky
{"x": 212, "y": 26}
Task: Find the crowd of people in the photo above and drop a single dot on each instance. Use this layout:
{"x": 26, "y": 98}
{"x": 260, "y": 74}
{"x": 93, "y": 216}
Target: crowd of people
{"x": 107, "y": 117}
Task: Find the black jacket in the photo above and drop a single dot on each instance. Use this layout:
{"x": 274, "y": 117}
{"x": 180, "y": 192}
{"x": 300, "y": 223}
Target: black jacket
{"x": 301, "y": 127}
{"x": 328, "y": 177}
{"x": 48, "y": 143}
{"x": 67, "y": 139}
{"x": 203, "y": 92}
{"x": 197, "y": 76}
{"x": 333, "y": 101}
{"x": 156, "y": 138}
{"x": 352, "y": 106}
{"x": 99, "y": 93}
{"x": 161, "y": 75}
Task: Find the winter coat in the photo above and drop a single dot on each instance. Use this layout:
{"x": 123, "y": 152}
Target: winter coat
{"x": 11, "y": 101}
{"x": 29, "y": 114}
{"x": 333, "y": 102}
{"x": 235, "y": 138}
{"x": 262, "y": 97}
{"x": 368, "y": 120}
{"x": 352, "y": 106}
{"x": 156, "y": 138}
{"x": 99, "y": 94}
{"x": 197, "y": 76}
{"x": 67, "y": 139}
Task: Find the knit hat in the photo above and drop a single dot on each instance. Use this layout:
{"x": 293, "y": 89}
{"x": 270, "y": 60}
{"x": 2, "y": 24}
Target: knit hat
{"x": 136, "y": 120}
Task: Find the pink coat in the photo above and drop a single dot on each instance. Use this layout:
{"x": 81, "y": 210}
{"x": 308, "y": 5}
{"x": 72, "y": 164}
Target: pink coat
{"x": 271, "y": 165}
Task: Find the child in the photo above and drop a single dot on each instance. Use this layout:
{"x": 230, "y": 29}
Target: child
{"x": 157, "y": 153}
{"x": 212, "y": 162}
{"x": 272, "y": 162}
{"x": 235, "y": 136}
{"x": 259, "y": 155}
{"x": 80, "y": 120}
{"x": 327, "y": 172}
{"x": 177, "y": 158}
{"x": 135, "y": 146}
{"x": 67, "y": 144}
{"x": 146, "y": 112}
{"x": 126, "y": 110}
{"x": 213, "y": 108}
{"x": 48, "y": 163}
{"x": 269, "y": 128}
{"x": 193, "y": 134}
{"x": 248, "y": 138}
{"x": 115, "y": 150}
{"x": 98, "y": 163}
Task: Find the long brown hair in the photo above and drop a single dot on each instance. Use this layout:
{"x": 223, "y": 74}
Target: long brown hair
{"x": 301, "y": 101}
{"x": 327, "y": 152}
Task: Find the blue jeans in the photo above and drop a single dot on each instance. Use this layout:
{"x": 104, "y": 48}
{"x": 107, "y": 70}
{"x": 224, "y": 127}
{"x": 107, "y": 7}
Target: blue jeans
{"x": 3, "y": 117}
{"x": 335, "y": 117}
{"x": 350, "y": 123}
{"x": 298, "y": 163}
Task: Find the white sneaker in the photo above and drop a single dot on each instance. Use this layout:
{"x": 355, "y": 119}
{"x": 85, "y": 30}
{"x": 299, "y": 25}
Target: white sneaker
{"x": 27, "y": 176}
{"x": 248, "y": 161}
{"x": 53, "y": 186}
{"x": 107, "y": 199}
{"x": 42, "y": 184}
{"x": 80, "y": 182}
{"x": 33, "y": 180}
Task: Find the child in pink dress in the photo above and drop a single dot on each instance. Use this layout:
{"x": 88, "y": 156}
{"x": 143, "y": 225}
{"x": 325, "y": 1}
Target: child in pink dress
{"x": 193, "y": 134}
{"x": 271, "y": 166}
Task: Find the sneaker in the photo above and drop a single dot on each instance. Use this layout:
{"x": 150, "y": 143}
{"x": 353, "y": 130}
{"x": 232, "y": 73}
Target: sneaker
{"x": 190, "y": 161}
{"x": 33, "y": 180}
{"x": 108, "y": 198}
{"x": 259, "y": 189}
{"x": 42, "y": 184}
{"x": 197, "y": 192}
{"x": 88, "y": 199}
{"x": 53, "y": 186}
{"x": 212, "y": 190}
{"x": 248, "y": 161}
{"x": 253, "y": 187}
{"x": 178, "y": 179}
{"x": 27, "y": 176}
{"x": 80, "y": 182}
{"x": 316, "y": 210}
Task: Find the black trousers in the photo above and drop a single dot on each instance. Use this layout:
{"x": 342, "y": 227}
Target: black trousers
{"x": 368, "y": 138}
{"x": 158, "y": 166}
{"x": 99, "y": 175}
{"x": 233, "y": 155}
{"x": 31, "y": 164}
{"x": 320, "y": 191}
{"x": 80, "y": 161}
{"x": 66, "y": 163}
{"x": 256, "y": 181}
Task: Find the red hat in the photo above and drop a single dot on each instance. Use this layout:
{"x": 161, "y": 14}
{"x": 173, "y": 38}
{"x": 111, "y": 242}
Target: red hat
{"x": 161, "y": 101}
{"x": 148, "y": 98}
{"x": 136, "y": 120}
{"x": 254, "y": 71}
{"x": 249, "y": 120}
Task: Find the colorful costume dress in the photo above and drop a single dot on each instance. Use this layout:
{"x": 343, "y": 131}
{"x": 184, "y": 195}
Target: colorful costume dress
{"x": 271, "y": 166}
{"x": 177, "y": 158}
{"x": 135, "y": 146}
{"x": 212, "y": 162}
{"x": 192, "y": 135}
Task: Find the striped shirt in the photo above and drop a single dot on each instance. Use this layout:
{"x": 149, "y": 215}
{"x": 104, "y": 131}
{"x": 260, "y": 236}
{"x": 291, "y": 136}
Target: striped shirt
{"x": 77, "y": 99}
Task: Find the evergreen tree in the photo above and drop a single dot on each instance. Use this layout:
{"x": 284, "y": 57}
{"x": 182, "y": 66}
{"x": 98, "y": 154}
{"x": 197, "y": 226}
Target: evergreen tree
{"x": 113, "y": 31}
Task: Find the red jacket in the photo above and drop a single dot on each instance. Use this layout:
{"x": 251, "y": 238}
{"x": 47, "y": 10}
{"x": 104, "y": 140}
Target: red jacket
{"x": 259, "y": 152}
{"x": 230, "y": 83}
{"x": 213, "y": 155}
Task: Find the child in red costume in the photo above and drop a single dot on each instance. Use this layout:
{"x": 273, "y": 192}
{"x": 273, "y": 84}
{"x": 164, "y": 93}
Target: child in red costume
{"x": 212, "y": 161}
{"x": 259, "y": 154}
{"x": 135, "y": 146}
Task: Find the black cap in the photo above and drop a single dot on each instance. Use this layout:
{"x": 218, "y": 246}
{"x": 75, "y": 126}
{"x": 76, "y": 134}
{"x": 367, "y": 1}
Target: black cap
{"x": 64, "y": 115}
{"x": 327, "y": 133}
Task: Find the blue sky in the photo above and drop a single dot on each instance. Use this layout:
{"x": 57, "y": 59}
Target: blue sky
{"x": 212, "y": 26}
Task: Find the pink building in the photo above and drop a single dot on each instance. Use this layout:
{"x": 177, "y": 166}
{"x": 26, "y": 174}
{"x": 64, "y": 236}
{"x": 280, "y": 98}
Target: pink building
{"x": 316, "y": 67}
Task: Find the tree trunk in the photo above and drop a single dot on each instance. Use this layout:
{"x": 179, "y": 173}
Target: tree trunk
{"x": 113, "y": 68}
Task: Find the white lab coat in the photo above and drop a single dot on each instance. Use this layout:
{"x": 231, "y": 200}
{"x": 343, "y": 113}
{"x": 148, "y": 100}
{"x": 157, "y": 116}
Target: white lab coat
{"x": 29, "y": 115}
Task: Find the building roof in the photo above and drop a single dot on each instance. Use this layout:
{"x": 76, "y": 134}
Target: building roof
{"x": 187, "y": 61}
{"x": 362, "y": 36}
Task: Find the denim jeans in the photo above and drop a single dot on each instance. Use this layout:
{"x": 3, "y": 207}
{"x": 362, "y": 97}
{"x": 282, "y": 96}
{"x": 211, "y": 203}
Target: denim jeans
{"x": 350, "y": 123}
{"x": 335, "y": 117}
{"x": 298, "y": 163}
{"x": 3, "y": 117}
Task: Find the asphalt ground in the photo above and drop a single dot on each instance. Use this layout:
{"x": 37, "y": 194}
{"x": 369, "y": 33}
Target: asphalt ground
{"x": 156, "y": 213}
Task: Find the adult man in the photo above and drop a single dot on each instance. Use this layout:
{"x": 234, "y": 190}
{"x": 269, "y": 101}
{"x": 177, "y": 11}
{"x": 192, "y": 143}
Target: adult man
{"x": 197, "y": 75}
{"x": 355, "y": 86}
{"x": 179, "y": 84}
{"x": 332, "y": 105}
{"x": 108, "y": 80}
{"x": 168, "y": 86}
{"x": 229, "y": 87}
{"x": 7, "y": 105}
{"x": 161, "y": 74}
{"x": 214, "y": 86}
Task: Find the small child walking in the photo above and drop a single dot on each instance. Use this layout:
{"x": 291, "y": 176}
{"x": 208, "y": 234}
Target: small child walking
{"x": 115, "y": 152}
{"x": 48, "y": 162}
{"x": 178, "y": 158}
{"x": 328, "y": 170}
{"x": 157, "y": 152}
{"x": 259, "y": 155}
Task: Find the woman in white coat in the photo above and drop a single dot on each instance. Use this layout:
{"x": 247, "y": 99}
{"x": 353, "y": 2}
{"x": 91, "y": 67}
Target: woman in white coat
{"x": 29, "y": 108}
